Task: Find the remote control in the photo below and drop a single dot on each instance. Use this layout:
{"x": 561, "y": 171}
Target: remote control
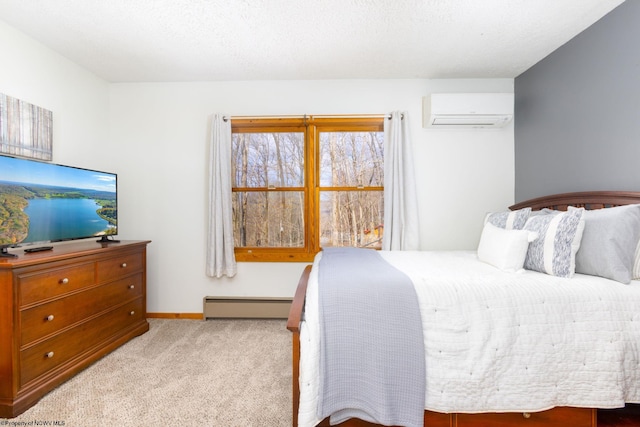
{"x": 38, "y": 249}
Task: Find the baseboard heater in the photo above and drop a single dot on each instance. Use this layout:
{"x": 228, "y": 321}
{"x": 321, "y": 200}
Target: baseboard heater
{"x": 246, "y": 307}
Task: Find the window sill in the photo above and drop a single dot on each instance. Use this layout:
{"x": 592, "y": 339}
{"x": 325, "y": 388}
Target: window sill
{"x": 245, "y": 256}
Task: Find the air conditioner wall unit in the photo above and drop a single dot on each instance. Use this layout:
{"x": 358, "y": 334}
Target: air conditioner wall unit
{"x": 467, "y": 110}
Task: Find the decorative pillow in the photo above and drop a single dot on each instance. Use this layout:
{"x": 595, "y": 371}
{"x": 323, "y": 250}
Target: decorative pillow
{"x": 504, "y": 249}
{"x": 636, "y": 265}
{"x": 554, "y": 252}
{"x": 609, "y": 242}
{"x": 509, "y": 220}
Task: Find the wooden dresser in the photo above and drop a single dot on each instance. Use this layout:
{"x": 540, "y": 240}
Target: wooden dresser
{"x": 61, "y": 310}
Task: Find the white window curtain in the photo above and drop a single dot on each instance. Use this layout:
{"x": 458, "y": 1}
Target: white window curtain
{"x": 220, "y": 256}
{"x": 401, "y": 228}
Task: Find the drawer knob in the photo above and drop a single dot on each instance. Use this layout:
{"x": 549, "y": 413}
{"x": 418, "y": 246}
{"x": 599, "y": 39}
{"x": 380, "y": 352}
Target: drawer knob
{"x": 50, "y": 317}
{"x": 132, "y": 286}
{"x": 49, "y": 355}
{"x": 64, "y": 281}
{"x": 123, "y": 265}
{"x": 132, "y": 313}
{"x": 526, "y": 415}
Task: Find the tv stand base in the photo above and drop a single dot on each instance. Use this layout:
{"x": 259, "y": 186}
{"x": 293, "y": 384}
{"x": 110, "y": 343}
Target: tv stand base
{"x": 4, "y": 253}
{"x": 106, "y": 239}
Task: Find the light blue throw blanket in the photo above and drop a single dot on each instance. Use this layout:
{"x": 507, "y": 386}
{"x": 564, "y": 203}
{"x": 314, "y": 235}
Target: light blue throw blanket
{"x": 372, "y": 363}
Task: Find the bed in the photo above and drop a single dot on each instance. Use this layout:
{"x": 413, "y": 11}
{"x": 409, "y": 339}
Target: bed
{"x": 491, "y": 330}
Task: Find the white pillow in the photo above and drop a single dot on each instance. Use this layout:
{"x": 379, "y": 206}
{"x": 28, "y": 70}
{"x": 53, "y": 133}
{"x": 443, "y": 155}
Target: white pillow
{"x": 504, "y": 249}
{"x": 554, "y": 253}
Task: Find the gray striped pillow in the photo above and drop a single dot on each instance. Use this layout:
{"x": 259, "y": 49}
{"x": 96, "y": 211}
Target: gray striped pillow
{"x": 554, "y": 252}
{"x": 509, "y": 220}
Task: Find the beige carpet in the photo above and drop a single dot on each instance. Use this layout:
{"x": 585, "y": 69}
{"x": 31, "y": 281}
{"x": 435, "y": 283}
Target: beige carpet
{"x": 234, "y": 373}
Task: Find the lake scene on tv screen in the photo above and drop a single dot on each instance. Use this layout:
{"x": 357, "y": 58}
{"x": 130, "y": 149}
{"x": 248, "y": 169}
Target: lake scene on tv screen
{"x": 48, "y": 202}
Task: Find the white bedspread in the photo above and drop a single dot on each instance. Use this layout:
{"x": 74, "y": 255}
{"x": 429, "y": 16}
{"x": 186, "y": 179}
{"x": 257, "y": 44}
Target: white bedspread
{"x": 502, "y": 342}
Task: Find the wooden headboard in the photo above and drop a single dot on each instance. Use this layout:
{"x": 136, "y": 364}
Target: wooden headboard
{"x": 586, "y": 199}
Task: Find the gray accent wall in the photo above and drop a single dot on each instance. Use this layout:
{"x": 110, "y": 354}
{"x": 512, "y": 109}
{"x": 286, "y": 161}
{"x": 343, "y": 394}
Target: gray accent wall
{"x": 577, "y": 112}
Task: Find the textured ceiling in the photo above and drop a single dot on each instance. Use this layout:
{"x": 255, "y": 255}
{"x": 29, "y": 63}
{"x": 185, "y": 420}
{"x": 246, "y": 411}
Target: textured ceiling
{"x": 206, "y": 40}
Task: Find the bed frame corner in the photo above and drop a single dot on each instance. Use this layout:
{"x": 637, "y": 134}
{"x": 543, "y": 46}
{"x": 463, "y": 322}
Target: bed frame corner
{"x": 293, "y": 325}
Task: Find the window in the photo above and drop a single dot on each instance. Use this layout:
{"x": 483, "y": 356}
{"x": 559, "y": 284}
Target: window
{"x": 300, "y": 184}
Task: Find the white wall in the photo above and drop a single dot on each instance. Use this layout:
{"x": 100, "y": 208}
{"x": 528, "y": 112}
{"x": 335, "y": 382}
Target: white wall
{"x": 160, "y": 132}
{"x": 154, "y": 135}
{"x": 78, "y": 99}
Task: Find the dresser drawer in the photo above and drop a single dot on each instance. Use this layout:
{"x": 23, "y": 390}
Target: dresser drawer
{"x": 48, "y": 355}
{"x": 44, "y": 284}
{"x": 45, "y": 319}
{"x": 115, "y": 268}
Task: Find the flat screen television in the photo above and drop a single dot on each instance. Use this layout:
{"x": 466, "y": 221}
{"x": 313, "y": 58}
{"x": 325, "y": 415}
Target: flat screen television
{"x": 47, "y": 202}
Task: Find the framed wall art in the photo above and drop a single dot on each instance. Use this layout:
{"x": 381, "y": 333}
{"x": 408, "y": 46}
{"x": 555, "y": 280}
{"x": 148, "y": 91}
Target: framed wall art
{"x": 26, "y": 130}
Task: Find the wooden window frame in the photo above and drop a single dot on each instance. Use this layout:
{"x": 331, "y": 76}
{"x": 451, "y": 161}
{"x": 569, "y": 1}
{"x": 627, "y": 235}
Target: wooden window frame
{"x": 312, "y": 127}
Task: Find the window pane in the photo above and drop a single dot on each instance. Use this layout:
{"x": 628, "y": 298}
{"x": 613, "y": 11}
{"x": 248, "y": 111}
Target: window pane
{"x": 264, "y": 159}
{"x": 268, "y": 219}
{"x": 351, "y": 218}
{"x": 351, "y": 159}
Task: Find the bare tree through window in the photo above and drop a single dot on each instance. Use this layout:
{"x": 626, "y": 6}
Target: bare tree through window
{"x": 351, "y": 180}
{"x": 300, "y": 185}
